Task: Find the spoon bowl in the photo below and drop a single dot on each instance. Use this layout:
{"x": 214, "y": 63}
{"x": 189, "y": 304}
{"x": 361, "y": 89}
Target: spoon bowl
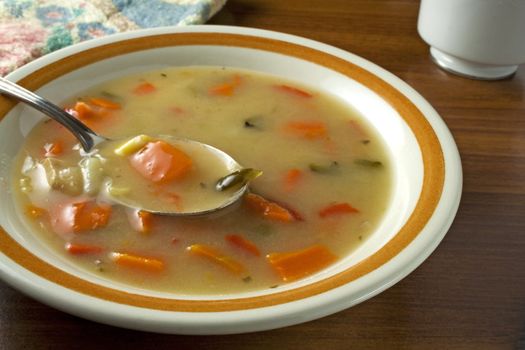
{"x": 91, "y": 142}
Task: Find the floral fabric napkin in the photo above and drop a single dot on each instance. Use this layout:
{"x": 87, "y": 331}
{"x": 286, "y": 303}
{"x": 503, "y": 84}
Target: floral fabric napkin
{"x": 32, "y": 28}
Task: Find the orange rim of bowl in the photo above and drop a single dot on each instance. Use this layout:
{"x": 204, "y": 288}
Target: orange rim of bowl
{"x": 433, "y": 166}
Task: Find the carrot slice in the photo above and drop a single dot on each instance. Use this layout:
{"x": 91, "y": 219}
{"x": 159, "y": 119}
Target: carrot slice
{"x": 137, "y": 262}
{"x": 293, "y": 91}
{"x": 104, "y": 103}
{"x": 83, "y": 110}
{"x": 82, "y": 216}
{"x": 93, "y": 116}
{"x": 141, "y": 221}
{"x": 298, "y": 264}
{"x": 307, "y": 129}
{"x": 34, "y": 212}
{"x": 268, "y": 209}
{"x": 243, "y": 244}
{"x": 53, "y": 148}
{"x": 337, "y": 209}
{"x": 292, "y": 178}
{"x": 217, "y": 257}
{"x": 144, "y": 88}
{"x": 226, "y": 89}
{"x": 80, "y": 249}
{"x": 161, "y": 162}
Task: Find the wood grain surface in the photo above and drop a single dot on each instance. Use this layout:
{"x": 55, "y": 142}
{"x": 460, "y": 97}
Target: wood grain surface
{"x": 470, "y": 293}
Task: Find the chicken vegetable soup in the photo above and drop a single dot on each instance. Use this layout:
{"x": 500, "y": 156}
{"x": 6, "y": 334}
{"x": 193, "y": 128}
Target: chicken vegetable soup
{"x": 322, "y": 181}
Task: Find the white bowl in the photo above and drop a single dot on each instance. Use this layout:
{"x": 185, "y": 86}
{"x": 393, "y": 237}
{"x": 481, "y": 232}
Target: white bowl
{"x": 427, "y": 181}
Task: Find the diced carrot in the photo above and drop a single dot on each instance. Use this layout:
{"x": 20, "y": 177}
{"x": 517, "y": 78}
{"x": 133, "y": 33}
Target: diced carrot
{"x": 243, "y": 243}
{"x": 144, "y": 88}
{"x": 291, "y": 178}
{"x": 217, "y": 257}
{"x": 83, "y": 110}
{"x": 104, "y": 103}
{"x": 93, "y": 116}
{"x": 141, "y": 220}
{"x": 137, "y": 262}
{"x": 307, "y": 129}
{"x": 53, "y": 148}
{"x": 80, "y": 249}
{"x": 337, "y": 209}
{"x": 35, "y": 212}
{"x": 78, "y": 217}
{"x": 293, "y": 91}
{"x": 298, "y": 264}
{"x": 159, "y": 161}
{"x": 227, "y": 88}
{"x": 268, "y": 209}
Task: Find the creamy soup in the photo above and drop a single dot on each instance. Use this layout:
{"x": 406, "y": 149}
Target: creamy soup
{"x": 325, "y": 183}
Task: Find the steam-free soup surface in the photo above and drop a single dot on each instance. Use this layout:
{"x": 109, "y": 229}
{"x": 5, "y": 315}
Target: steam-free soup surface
{"x": 324, "y": 188}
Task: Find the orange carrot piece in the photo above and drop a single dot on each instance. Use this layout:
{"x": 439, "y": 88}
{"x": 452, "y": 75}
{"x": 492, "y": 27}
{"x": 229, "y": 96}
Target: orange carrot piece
{"x": 142, "y": 221}
{"x": 80, "y": 249}
{"x": 308, "y": 129}
{"x": 83, "y": 110}
{"x": 227, "y": 88}
{"x": 82, "y": 216}
{"x": 337, "y": 209}
{"x": 53, "y": 148}
{"x": 293, "y": 91}
{"x": 104, "y": 103}
{"x": 90, "y": 216}
{"x": 144, "y": 88}
{"x": 243, "y": 243}
{"x": 161, "y": 162}
{"x": 292, "y": 178}
{"x": 267, "y": 209}
{"x": 298, "y": 264}
{"x": 137, "y": 262}
{"x": 34, "y": 212}
{"x": 217, "y": 257}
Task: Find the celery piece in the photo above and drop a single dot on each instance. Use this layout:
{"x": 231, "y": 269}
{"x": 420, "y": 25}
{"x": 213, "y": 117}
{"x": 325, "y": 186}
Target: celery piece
{"x": 132, "y": 145}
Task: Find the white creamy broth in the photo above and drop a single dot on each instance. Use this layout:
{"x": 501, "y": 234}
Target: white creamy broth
{"x": 325, "y": 186}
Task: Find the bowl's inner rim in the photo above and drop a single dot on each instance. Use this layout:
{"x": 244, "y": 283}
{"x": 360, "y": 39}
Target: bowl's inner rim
{"x": 429, "y": 145}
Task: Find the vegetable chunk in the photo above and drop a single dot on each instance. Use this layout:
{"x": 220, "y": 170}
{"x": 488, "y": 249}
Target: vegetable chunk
{"x": 267, "y": 209}
{"x": 137, "y": 262}
{"x": 337, "y": 209}
{"x": 244, "y": 244}
{"x": 81, "y": 216}
{"x": 298, "y": 264}
{"x": 161, "y": 162}
{"x": 217, "y": 257}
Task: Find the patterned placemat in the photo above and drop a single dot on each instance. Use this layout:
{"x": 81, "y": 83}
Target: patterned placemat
{"x": 32, "y": 28}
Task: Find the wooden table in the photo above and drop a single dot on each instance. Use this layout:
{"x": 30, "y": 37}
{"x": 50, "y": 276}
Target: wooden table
{"x": 470, "y": 293}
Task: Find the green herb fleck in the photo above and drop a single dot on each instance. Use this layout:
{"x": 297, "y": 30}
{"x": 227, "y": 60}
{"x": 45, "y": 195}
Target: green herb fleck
{"x": 237, "y": 179}
{"x": 331, "y": 168}
{"x": 368, "y": 163}
{"x": 247, "y": 279}
{"x": 255, "y": 122}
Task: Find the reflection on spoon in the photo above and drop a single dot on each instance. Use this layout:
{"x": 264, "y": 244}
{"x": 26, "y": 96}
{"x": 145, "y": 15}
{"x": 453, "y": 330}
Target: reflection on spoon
{"x": 162, "y": 174}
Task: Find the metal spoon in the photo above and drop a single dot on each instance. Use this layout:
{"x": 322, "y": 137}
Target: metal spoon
{"x": 89, "y": 139}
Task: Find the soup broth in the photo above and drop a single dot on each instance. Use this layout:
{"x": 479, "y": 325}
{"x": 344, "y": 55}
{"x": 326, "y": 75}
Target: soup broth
{"x": 325, "y": 183}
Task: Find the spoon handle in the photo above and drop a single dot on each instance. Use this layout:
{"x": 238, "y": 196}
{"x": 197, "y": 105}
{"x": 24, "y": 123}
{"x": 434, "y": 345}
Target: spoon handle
{"x": 87, "y": 137}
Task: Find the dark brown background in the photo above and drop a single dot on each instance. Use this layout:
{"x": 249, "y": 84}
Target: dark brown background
{"x": 470, "y": 293}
